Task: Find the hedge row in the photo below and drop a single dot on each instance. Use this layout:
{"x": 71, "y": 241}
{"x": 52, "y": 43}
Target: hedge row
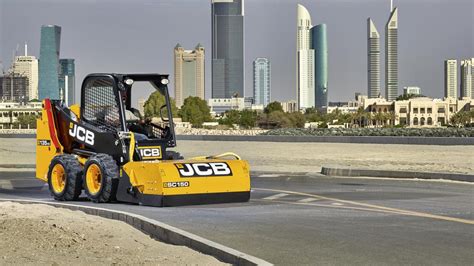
{"x": 413, "y": 132}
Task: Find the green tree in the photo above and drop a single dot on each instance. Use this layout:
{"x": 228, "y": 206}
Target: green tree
{"x": 248, "y": 119}
{"x": 297, "y": 119}
{"x": 462, "y": 118}
{"x": 273, "y": 107}
{"x": 280, "y": 119}
{"x": 27, "y": 120}
{"x": 405, "y": 97}
{"x": 230, "y": 118}
{"x": 155, "y": 102}
{"x": 195, "y": 111}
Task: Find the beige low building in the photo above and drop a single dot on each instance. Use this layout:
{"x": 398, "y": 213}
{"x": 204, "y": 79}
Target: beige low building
{"x": 9, "y": 112}
{"x": 418, "y": 112}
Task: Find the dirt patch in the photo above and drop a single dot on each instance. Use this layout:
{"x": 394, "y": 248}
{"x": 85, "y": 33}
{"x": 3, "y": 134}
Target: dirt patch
{"x": 39, "y": 234}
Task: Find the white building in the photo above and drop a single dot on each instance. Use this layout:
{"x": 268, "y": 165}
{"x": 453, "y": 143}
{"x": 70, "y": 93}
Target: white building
{"x": 451, "y": 78}
{"x": 289, "y": 106}
{"x": 10, "y": 111}
{"x": 467, "y": 78}
{"x": 305, "y": 60}
{"x": 27, "y": 66}
{"x": 411, "y": 90}
{"x": 219, "y": 106}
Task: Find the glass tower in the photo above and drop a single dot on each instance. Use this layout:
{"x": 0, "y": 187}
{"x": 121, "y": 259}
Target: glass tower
{"x": 261, "y": 81}
{"x": 49, "y": 62}
{"x": 373, "y": 60}
{"x": 391, "y": 56}
{"x": 227, "y": 48}
{"x": 319, "y": 44}
{"x": 67, "y": 77}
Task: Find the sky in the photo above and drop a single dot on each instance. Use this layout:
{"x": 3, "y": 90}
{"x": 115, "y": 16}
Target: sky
{"x": 133, "y": 36}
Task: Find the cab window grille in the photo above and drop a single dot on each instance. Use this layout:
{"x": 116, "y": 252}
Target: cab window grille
{"x": 100, "y": 106}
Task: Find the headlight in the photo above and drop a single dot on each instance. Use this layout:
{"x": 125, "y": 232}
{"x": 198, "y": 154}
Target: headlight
{"x": 165, "y": 81}
{"x": 129, "y": 82}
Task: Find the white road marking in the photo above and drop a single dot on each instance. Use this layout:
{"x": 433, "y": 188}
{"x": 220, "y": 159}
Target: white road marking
{"x": 308, "y": 200}
{"x": 337, "y": 204}
{"x": 269, "y": 175}
{"x": 277, "y": 196}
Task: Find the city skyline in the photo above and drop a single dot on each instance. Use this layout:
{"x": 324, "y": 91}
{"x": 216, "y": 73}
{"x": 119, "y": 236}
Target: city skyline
{"x": 419, "y": 66}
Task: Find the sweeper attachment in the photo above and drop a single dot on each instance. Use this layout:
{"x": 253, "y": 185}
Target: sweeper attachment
{"x": 107, "y": 149}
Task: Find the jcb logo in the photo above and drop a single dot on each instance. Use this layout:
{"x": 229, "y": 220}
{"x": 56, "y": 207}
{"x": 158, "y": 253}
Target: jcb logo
{"x": 203, "y": 169}
{"x": 82, "y": 134}
{"x": 150, "y": 152}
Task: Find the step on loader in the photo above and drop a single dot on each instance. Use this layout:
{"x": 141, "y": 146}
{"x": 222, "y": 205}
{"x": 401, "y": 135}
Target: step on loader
{"x": 107, "y": 149}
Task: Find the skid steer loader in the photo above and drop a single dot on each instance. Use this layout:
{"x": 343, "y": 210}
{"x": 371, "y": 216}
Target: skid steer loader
{"x": 107, "y": 149}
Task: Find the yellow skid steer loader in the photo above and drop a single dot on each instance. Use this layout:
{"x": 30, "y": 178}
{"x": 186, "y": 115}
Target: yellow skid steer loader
{"x": 107, "y": 149}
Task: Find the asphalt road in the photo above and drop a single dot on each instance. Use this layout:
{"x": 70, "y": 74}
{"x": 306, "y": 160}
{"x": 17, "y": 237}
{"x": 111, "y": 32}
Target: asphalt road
{"x": 294, "y": 220}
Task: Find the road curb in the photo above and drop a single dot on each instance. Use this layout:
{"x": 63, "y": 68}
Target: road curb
{"x": 330, "y": 171}
{"x": 162, "y": 232}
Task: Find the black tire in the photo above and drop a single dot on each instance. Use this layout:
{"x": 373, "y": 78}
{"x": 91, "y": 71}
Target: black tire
{"x": 173, "y": 155}
{"x": 72, "y": 177}
{"x": 109, "y": 173}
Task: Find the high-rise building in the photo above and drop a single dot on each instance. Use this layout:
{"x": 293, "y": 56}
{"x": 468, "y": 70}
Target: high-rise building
{"x": 67, "y": 81}
{"x": 391, "y": 56}
{"x": 261, "y": 81}
{"x": 189, "y": 73}
{"x": 450, "y": 78}
{"x": 14, "y": 88}
{"x": 49, "y": 62}
{"x": 305, "y": 60}
{"x": 227, "y": 48}
{"x": 467, "y": 78}
{"x": 319, "y": 44}
{"x": 373, "y": 60}
{"x": 27, "y": 66}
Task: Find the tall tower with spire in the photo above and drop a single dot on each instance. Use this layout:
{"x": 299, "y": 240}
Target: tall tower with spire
{"x": 373, "y": 60}
{"x": 304, "y": 60}
{"x": 391, "y": 55}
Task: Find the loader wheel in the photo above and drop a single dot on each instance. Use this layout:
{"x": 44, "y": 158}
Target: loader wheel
{"x": 64, "y": 178}
{"x": 101, "y": 178}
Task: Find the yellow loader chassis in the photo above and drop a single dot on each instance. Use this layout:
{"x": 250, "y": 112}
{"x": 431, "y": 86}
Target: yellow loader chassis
{"x": 161, "y": 184}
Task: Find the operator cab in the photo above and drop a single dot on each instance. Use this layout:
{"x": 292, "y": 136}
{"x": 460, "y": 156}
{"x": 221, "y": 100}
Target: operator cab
{"x": 107, "y": 106}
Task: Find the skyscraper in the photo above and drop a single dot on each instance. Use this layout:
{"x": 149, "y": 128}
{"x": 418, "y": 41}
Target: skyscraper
{"x": 14, "y": 88}
{"x": 320, "y": 46}
{"x": 67, "y": 80}
{"x": 450, "y": 78}
{"x": 261, "y": 81}
{"x": 49, "y": 62}
{"x": 188, "y": 73}
{"x": 227, "y": 48}
{"x": 304, "y": 60}
{"x": 373, "y": 60}
{"x": 27, "y": 66}
{"x": 391, "y": 56}
{"x": 467, "y": 78}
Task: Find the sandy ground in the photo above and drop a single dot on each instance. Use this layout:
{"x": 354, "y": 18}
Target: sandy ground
{"x": 45, "y": 235}
{"x": 303, "y": 157}
{"x": 309, "y": 157}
